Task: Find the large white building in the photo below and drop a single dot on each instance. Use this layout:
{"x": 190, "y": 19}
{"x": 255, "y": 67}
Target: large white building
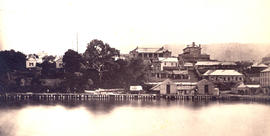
{"x": 150, "y": 53}
{"x": 168, "y": 63}
{"x": 219, "y": 76}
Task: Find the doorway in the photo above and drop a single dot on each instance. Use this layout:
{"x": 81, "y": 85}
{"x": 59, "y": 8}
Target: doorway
{"x": 206, "y": 89}
{"x": 168, "y": 89}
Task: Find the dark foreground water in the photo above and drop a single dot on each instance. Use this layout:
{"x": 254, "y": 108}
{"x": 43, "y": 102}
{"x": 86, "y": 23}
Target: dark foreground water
{"x": 134, "y": 118}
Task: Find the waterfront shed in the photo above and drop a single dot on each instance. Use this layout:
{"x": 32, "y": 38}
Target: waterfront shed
{"x": 166, "y": 87}
{"x": 206, "y": 87}
{"x": 247, "y": 89}
{"x": 135, "y": 89}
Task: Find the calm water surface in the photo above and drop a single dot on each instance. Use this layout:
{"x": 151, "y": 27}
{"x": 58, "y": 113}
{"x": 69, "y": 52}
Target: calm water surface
{"x": 134, "y": 118}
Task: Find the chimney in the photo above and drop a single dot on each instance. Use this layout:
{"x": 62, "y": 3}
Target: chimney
{"x": 193, "y": 44}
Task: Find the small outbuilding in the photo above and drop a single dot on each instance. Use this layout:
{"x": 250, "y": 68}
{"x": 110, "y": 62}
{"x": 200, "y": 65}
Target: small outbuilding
{"x": 247, "y": 89}
{"x": 135, "y": 89}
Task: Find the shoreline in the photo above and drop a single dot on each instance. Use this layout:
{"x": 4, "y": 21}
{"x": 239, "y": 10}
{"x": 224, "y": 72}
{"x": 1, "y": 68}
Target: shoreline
{"x": 87, "y": 96}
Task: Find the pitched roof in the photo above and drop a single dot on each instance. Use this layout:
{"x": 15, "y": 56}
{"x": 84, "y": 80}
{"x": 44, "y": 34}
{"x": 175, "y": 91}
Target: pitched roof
{"x": 187, "y": 64}
{"x": 222, "y": 72}
{"x": 157, "y": 87}
{"x": 227, "y": 63}
{"x": 207, "y": 63}
{"x": 150, "y": 50}
{"x": 180, "y": 72}
{"x": 266, "y": 70}
{"x": 259, "y": 65}
{"x": 31, "y": 59}
{"x": 169, "y": 59}
{"x": 253, "y": 86}
{"x": 242, "y": 85}
{"x": 212, "y": 63}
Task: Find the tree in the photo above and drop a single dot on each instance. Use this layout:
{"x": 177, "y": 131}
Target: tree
{"x": 100, "y": 57}
{"x": 130, "y": 72}
{"x": 48, "y": 66}
{"x": 73, "y": 77}
{"x": 73, "y": 61}
{"x": 10, "y": 62}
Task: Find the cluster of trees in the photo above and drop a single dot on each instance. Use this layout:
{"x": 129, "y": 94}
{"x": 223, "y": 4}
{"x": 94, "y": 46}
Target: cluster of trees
{"x": 97, "y": 67}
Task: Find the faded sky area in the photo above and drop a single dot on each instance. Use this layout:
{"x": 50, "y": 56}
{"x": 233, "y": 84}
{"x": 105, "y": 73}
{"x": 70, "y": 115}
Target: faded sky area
{"x": 32, "y": 26}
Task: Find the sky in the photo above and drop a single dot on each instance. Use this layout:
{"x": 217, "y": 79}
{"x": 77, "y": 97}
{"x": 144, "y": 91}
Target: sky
{"x": 33, "y": 26}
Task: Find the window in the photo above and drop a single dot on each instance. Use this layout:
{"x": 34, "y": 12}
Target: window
{"x": 144, "y": 55}
{"x": 165, "y": 63}
{"x": 31, "y": 64}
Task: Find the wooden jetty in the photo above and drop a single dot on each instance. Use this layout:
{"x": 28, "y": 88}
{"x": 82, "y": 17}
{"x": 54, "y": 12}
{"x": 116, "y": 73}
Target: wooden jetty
{"x": 245, "y": 97}
{"x": 87, "y": 96}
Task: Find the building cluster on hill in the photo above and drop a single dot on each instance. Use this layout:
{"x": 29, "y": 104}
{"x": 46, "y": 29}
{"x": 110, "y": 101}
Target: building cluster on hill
{"x": 193, "y": 72}
{"x": 189, "y": 73}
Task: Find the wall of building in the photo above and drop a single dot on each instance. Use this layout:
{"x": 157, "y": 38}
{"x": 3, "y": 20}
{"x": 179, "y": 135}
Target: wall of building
{"x": 168, "y": 64}
{"x": 31, "y": 63}
{"x": 201, "y": 87}
{"x": 265, "y": 79}
{"x": 226, "y": 78}
{"x": 163, "y": 87}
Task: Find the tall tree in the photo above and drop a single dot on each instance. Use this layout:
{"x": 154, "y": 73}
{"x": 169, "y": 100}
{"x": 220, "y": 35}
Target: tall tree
{"x": 100, "y": 57}
{"x": 10, "y": 62}
{"x": 48, "y": 66}
{"x": 130, "y": 72}
{"x": 72, "y": 61}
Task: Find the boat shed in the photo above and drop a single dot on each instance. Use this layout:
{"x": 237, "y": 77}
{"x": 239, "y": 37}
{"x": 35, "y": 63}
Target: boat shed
{"x": 166, "y": 87}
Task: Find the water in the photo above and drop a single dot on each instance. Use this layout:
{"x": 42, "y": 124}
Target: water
{"x": 134, "y": 118}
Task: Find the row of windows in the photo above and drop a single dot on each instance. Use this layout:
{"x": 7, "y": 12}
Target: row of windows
{"x": 163, "y": 75}
{"x": 171, "y": 63}
{"x": 226, "y": 78}
{"x": 150, "y": 55}
{"x": 265, "y": 74}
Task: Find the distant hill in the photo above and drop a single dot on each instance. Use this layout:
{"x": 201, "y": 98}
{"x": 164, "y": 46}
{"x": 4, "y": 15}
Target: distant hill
{"x": 229, "y": 51}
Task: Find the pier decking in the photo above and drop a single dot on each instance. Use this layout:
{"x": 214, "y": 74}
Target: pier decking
{"x": 87, "y": 96}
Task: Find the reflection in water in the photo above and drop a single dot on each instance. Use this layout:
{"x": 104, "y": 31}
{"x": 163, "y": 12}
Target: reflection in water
{"x": 134, "y": 118}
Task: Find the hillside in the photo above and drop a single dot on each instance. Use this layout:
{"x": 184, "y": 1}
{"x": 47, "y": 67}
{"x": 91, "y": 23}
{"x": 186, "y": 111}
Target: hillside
{"x": 229, "y": 51}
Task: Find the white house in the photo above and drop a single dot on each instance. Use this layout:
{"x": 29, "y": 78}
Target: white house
{"x": 169, "y": 63}
{"x": 31, "y": 61}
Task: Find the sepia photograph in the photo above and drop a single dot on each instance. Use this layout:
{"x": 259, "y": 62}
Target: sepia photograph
{"x": 134, "y": 67}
